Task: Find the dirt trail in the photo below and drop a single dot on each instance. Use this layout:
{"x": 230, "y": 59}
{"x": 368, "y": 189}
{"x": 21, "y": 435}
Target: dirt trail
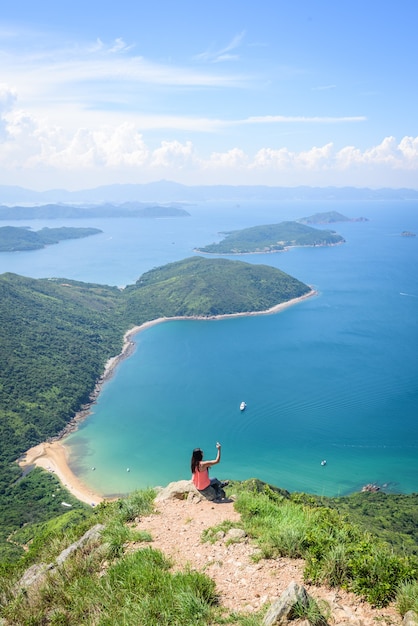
{"x": 176, "y": 529}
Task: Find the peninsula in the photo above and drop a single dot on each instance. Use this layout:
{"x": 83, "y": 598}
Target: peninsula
{"x": 14, "y": 239}
{"x": 272, "y": 238}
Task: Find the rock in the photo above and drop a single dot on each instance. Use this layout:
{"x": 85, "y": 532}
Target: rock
{"x": 235, "y": 534}
{"x": 92, "y": 533}
{"x": 410, "y": 619}
{"x": 281, "y": 611}
{"x": 180, "y": 490}
{"x": 36, "y": 572}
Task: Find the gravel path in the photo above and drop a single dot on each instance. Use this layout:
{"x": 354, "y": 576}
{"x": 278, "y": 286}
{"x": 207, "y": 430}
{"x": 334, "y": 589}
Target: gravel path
{"x": 243, "y": 585}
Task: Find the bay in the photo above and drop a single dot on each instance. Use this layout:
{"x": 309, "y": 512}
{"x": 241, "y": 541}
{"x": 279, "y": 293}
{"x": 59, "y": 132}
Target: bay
{"x": 334, "y": 377}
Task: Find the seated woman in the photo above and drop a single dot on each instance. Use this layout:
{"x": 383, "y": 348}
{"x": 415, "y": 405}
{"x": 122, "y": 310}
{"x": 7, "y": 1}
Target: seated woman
{"x": 211, "y": 488}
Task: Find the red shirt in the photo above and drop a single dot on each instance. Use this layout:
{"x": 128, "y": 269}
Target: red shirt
{"x": 201, "y": 479}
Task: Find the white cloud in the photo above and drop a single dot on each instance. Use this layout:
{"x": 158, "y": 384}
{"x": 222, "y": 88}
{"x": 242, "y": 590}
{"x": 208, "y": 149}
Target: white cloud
{"x": 118, "y": 151}
{"x": 234, "y": 158}
{"x": 8, "y": 97}
{"x": 173, "y": 154}
{"x": 222, "y": 54}
{"x": 77, "y": 75}
{"x": 402, "y": 155}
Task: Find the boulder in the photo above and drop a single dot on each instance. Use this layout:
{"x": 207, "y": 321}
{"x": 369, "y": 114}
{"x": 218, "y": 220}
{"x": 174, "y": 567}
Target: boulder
{"x": 410, "y": 619}
{"x": 180, "y": 490}
{"x": 236, "y": 534}
{"x": 282, "y": 610}
{"x": 92, "y": 533}
{"x": 36, "y": 573}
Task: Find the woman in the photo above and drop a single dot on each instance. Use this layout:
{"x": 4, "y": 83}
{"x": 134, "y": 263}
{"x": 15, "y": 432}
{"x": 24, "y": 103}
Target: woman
{"x": 211, "y": 488}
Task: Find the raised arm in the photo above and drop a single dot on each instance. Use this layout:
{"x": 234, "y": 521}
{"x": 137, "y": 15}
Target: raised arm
{"x": 205, "y": 464}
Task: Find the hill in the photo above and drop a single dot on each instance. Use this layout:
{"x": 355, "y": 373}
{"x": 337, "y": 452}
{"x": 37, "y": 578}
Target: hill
{"x": 272, "y": 238}
{"x": 169, "y": 191}
{"x": 194, "y": 287}
{"x": 13, "y": 238}
{"x": 68, "y": 211}
{"x": 330, "y": 217}
{"x": 57, "y": 335}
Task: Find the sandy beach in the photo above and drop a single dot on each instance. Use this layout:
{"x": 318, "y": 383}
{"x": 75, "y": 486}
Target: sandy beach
{"x": 53, "y": 456}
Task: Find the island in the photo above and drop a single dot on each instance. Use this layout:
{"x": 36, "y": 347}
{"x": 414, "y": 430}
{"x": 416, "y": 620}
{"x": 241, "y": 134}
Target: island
{"x": 272, "y": 238}
{"x": 330, "y": 217}
{"x": 67, "y": 211}
{"x": 14, "y": 238}
{"x": 407, "y": 233}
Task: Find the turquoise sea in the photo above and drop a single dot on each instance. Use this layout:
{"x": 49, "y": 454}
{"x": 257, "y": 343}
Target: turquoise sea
{"x": 334, "y": 377}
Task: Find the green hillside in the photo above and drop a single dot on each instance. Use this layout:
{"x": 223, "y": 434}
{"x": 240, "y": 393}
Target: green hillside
{"x": 97, "y": 566}
{"x": 195, "y": 286}
{"x": 13, "y": 238}
{"x": 272, "y": 238}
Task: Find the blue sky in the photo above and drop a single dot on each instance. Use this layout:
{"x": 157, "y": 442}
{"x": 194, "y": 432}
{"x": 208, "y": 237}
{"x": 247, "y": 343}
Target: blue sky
{"x": 221, "y": 92}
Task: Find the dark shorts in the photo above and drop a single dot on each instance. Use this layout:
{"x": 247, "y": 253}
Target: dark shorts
{"x": 213, "y": 491}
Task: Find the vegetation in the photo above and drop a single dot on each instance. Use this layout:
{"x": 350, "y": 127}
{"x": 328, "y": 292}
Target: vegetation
{"x": 392, "y": 517}
{"x": 337, "y": 552}
{"x": 196, "y": 287}
{"x": 56, "y": 336}
{"x": 329, "y": 217}
{"x": 60, "y": 211}
{"x": 272, "y": 238}
{"x": 119, "y": 578}
{"x": 13, "y": 238}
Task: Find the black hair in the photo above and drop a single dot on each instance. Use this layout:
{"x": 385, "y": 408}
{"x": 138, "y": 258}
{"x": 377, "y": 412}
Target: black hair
{"x": 197, "y": 456}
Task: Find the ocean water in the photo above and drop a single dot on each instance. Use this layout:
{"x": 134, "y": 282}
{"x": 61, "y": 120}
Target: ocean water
{"x": 334, "y": 377}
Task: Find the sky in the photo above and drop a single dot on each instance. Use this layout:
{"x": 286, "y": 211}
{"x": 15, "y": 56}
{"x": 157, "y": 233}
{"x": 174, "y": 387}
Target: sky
{"x": 237, "y": 92}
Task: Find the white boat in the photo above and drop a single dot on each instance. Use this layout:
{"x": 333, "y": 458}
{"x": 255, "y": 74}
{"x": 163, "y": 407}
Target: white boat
{"x": 242, "y": 406}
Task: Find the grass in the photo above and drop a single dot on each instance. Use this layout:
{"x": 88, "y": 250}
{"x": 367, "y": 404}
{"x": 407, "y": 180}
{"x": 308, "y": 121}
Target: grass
{"x": 317, "y": 613}
{"x": 407, "y": 598}
{"x": 118, "y": 579}
{"x": 336, "y": 552}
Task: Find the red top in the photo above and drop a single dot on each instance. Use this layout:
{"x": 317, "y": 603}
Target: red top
{"x": 201, "y": 479}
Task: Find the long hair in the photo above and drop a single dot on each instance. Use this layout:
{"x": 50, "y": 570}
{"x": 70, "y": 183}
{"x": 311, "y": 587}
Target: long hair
{"x": 197, "y": 456}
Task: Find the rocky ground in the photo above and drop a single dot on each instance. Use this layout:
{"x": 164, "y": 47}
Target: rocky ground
{"x": 176, "y": 528}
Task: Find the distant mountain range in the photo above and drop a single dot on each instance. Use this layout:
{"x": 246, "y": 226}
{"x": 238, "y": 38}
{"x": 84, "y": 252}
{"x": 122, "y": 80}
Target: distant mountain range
{"x": 77, "y": 211}
{"x": 168, "y": 192}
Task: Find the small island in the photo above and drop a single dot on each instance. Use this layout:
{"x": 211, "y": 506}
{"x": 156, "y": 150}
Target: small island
{"x": 18, "y": 239}
{"x": 330, "y": 217}
{"x": 407, "y": 233}
{"x": 272, "y": 238}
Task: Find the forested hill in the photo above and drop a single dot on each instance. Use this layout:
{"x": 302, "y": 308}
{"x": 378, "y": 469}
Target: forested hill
{"x": 13, "y": 238}
{"x": 196, "y": 286}
{"x": 272, "y": 238}
{"x": 56, "y": 336}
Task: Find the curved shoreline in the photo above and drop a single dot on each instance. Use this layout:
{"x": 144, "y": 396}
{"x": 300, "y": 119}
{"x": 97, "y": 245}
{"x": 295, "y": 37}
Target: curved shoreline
{"x": 52, "y": 455}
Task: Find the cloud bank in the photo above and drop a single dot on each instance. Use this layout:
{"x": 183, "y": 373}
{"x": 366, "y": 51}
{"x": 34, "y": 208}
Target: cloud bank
{"x": 120, "y": 153}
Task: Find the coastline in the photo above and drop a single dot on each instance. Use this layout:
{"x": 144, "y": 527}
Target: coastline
{"x": 52, "y": 455}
